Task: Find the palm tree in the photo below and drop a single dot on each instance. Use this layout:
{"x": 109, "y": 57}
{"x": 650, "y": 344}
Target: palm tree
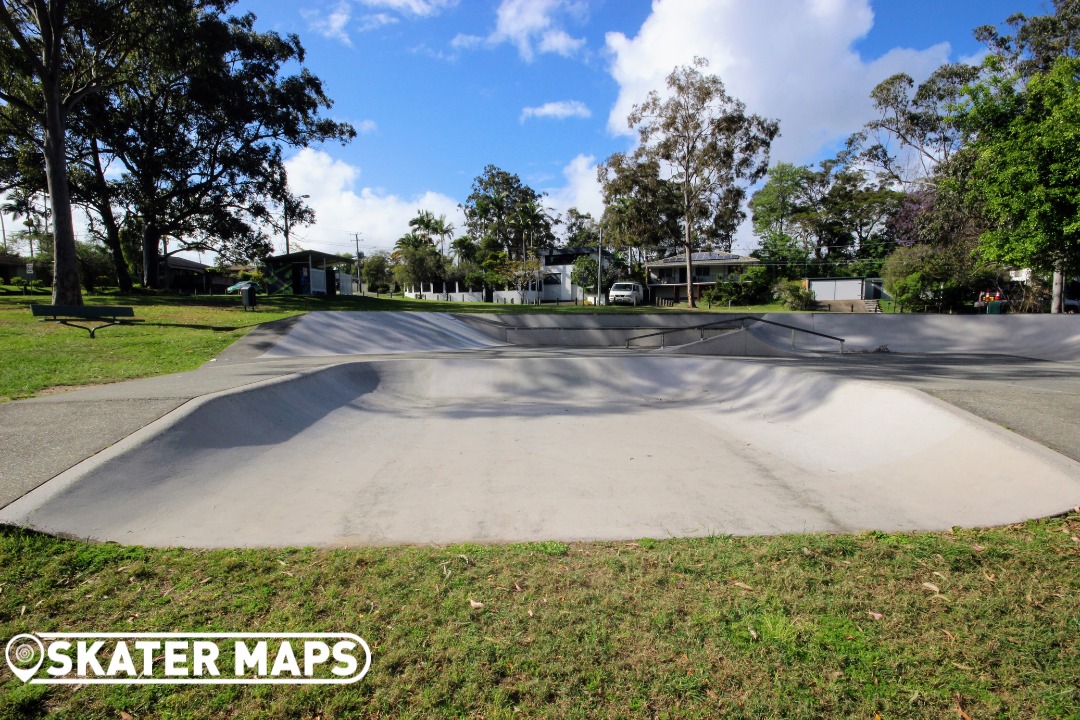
{"x": 409, "y": 241}
{"x": 443, "y": 230}
{"x": 22, "y": 205}
{"x": 464, "y": 249}
{"x": 423, "y": 224}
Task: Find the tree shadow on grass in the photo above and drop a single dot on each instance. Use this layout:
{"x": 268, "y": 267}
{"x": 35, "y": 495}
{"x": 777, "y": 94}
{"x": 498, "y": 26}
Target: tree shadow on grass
{"x": 194, "y": 326}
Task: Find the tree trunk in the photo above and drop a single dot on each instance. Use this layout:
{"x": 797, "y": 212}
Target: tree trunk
{"x": 66, "y": 289}
{"x": 112, "y": 241}
{"x": 1058, "y": 289}
{"x": 689, "y": 271}
{"x": 151, "y": 236}
{"x": 112, "y": 230}
{"x": 688, "y": 222}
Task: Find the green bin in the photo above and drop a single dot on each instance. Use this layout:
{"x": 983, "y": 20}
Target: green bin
{"x": 993, "y": 307}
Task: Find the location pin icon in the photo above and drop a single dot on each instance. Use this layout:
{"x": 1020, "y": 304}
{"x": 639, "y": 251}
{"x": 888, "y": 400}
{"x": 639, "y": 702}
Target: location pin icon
{"x": 25, "y": 653}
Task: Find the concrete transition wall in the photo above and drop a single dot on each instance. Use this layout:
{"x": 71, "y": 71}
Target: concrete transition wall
{"x": 1044, "y": 337}
{"x": 460, "y": 449}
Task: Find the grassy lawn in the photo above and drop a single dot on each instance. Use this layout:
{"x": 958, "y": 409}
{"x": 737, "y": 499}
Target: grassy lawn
{"x": 965, "y": 624}
{"x": 971, "y": 623}
{"x": 177, "y": 334}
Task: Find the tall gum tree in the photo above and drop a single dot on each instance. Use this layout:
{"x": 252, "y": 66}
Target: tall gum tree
{"x": 712, "y": 148}
{"x": 53, "y": 55}
{"x": 1027, "y": 168}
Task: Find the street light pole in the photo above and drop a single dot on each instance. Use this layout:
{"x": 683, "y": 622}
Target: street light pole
{"x": 599, "y": 265}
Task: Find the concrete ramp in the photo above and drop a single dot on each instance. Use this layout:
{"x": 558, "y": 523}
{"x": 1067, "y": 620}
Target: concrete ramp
{"x": 1042, "y": 337}
{"x": 356, "y": 333}
{"x": 524, "y": 449}
{"x": 737, "y": 343}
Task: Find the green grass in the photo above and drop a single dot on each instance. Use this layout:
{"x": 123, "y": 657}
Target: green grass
{"x": 177, "y": 334}
{"x": 693, "y": 628}
{"x": 807, "y": 626}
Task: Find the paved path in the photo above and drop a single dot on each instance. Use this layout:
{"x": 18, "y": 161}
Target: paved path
{"x": 265, "y": 447}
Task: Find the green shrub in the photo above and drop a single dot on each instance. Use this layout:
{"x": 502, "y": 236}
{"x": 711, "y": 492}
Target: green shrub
{"x": 794, "y": 296}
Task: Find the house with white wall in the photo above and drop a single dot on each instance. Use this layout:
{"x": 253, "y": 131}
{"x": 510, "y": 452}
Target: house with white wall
{"x": 558, "y": 267}
{"x": 667, "y": 276}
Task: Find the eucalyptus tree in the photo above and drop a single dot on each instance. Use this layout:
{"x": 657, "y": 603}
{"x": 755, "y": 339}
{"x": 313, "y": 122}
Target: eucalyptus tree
{"x": 580, "y": 229}
{"x": 54, "y": 54}
{"x": 642, "y": 210}
{"x": 1027, "y": 169}
{"x": 711, "y": 147}
{"x": 199, "y": 132}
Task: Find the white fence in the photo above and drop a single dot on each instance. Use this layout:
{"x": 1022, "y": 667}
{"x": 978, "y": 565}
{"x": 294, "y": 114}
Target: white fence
{"x": 516, "y": 297}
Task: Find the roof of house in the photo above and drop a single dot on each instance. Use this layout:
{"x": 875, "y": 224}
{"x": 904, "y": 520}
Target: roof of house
{"x": 567, "y": 255}
{"x": 179, "y": 263}
{"x": 303, "y": 256}
{"x": 705, "y": 258}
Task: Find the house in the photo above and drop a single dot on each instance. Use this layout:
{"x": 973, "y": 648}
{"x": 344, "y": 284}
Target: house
{"x": 307, "y": 272}
{"x": 667, "y": 276}
{"x": 558, "y": 267}
{"x": 188, "y": 276}
{"x": 13, "y": 266}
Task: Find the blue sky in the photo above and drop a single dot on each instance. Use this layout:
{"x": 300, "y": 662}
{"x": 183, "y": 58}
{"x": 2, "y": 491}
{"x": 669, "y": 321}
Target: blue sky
{"x": 541, "y": 88}
{"x": 440, "y": 88}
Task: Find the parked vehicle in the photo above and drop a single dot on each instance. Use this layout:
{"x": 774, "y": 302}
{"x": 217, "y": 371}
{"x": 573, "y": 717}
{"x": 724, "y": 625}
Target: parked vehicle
{"x": 239, "y": 287}
{"x": 630, "y": 293}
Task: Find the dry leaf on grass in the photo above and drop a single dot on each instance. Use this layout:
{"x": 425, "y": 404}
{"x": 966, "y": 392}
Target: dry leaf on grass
{"x": 931, "y": 586}
{"x": 875, "y": 615}
{"x": 476, "y": 605}
{"x": 742, "y": 585}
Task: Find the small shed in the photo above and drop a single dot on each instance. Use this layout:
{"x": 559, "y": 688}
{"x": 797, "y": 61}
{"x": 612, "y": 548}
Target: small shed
{"x": 848, "y": 288}
{"x": 307, "y": 272}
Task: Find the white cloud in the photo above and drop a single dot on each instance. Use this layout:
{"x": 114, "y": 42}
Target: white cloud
{"x": 381, "y": 218}
{"x": 365, "y": 127}
{"x": 787, "y": 59}
{"x": 421, "y": 8}
{"x": 462, "y": 41}
{"x": 376, "y": 21}
{"x": 581, "y": 191}
{"x": 558, "y": 110}
{"x": 341, "y": 209}
{"x": 332, "y": 24}
{"x": 560, "y": 43}
{"x": 533, "y": 25}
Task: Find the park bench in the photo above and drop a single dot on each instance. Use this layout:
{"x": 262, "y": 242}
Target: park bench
{"x": 105, "y": 314}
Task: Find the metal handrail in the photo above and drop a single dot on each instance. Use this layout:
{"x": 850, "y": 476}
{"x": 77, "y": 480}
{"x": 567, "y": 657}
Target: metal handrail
{"x": 741, "y": 320}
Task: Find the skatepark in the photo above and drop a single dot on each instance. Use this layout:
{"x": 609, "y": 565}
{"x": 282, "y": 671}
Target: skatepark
{"x": 346, "y": 428}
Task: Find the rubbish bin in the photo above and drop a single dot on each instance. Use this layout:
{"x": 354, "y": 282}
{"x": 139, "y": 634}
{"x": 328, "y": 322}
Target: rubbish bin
{"x": 993, "y": 307}
{"x": 247, "y": 297}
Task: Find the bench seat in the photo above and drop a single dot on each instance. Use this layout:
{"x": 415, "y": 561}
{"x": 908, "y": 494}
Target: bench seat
{"x": 105, "y": 314}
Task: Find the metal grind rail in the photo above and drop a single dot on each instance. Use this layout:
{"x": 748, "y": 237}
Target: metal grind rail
{"x": 742, "y": 321}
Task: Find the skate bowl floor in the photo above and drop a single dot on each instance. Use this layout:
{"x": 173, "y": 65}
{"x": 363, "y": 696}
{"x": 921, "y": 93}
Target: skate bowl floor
{"x": 487, "y": 448}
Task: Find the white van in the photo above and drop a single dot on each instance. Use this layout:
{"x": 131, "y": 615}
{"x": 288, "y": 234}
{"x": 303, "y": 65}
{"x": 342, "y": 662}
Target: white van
{"x": 631, "y": 293}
